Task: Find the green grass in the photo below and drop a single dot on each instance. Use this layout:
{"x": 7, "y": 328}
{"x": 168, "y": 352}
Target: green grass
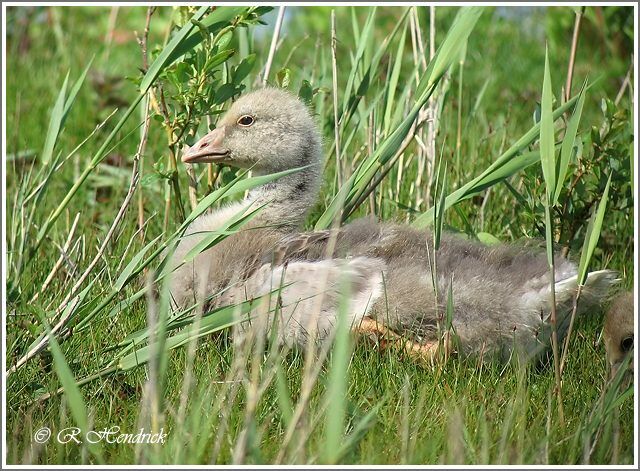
{"x": 360, "y": 406}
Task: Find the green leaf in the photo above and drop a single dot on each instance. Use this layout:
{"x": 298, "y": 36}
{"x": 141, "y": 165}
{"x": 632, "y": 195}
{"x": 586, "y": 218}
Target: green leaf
{"x": 362, "y": 41}
{"x": 451, "y": 47}
{"x": 567, "y": 150}
{"x": 74, "y": 92}
{"x": 306, "y": 92}
{"x": 244, "y": 67}
{"x": 441, "y": 181}
{"x": 593, "y": 234}
{"x": 218, "y": 59}
{"x": 547, "y": 146}
{"x": 224, "y": 39}
{"x": 491, "y": 176}
{"x": 354, "y": 97}
{"x": 283, "y": 396}
{"x": 393, "y": 81}
{"x": 225, "y": 92}
{"x": 336, "y": 395}
{"x": 55, "y": 123}
{"x": 283, "y": 78}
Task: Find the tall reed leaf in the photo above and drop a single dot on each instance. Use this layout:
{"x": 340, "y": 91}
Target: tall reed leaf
{"x": 74, "y": 91}
{"x": 509, "y": 155}
{"x": 393, "y": 81}
{"x": 445, "y": 56}
{"x": 352, "y": 97}
{"x": 362, "y": 42}
{"x": 441, "y": 183}
{"x": 567, "y": 150}
{"x": 547, "y": 147}
{"x": 593, "y": 234}
{"x": 451, "y": 47}
{"x": 128, "y": 270}
{"x": 488, "y": 178}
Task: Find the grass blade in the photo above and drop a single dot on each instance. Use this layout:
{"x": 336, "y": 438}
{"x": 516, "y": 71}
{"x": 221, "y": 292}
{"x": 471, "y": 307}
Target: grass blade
{"x": 211, "y": 322}
{"x": 231, "y": 226}
{"x": 133, "y": 264}
{"x": 441, "y": 182}
{"x": 451, "y": 47}
{"x": 55, "y": 123}
{"x": 74, "y": 91}
{"x": 72, "y": 391}
{"x": 337, "y": 387}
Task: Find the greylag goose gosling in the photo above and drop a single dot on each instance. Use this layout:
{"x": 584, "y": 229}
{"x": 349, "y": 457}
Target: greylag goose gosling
{"x": 618, "y": 332}
{"x": 501, "y": 294}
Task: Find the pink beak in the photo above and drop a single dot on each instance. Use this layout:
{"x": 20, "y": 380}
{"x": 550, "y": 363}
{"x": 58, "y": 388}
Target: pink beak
{"x": 208, "y": 149}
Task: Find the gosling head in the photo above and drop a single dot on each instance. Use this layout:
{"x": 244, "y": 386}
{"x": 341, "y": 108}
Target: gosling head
{"x": 268, "y": 130}
{"x": 618, "y": 332}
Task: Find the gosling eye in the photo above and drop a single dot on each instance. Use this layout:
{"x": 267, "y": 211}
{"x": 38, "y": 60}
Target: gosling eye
{"x": 626, "y": 344}
{"x": 246, "y": 120}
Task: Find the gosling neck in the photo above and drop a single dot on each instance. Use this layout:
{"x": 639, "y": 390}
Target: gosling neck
{"x": 288, "y": 199}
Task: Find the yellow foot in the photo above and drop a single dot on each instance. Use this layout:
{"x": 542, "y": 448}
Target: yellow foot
{"x": 424, "y": 353}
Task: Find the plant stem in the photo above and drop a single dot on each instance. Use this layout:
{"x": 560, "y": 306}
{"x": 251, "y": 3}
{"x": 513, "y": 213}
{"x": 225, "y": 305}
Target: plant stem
{"x": 432, "y": 126}
{"x": 572, "y": 57}
{"x": 336, "y": 124}
{"x": 459, "y": 131}
{"x": 554, "y": 319}
{"x": 145, "y": 66}
{"x": 274, "y": 43}
{"x": 565, "y": 346}
{"x": 173, "y": 183}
